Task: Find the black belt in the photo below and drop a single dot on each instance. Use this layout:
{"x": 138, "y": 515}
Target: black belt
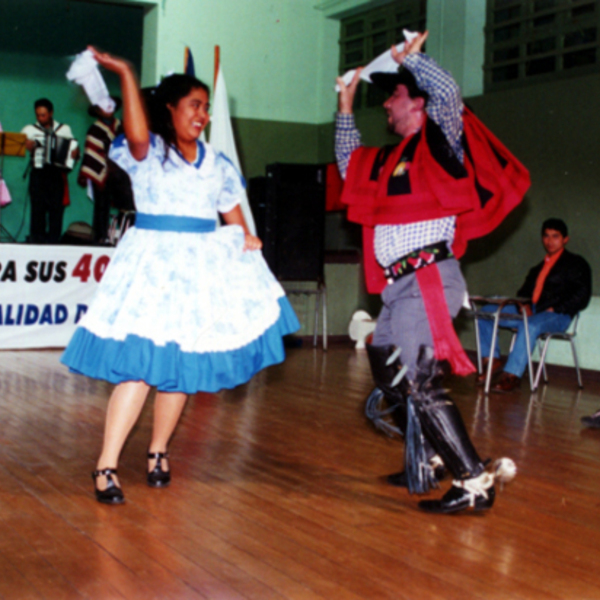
{"x": 417, "y": 259}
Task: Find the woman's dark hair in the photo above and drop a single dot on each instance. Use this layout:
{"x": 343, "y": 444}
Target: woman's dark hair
{"x": 169, "y": 92}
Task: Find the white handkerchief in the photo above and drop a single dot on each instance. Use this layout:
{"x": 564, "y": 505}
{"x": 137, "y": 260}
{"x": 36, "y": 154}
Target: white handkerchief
{"x": 86, "y": 73}
{"x": 384, "y": 63}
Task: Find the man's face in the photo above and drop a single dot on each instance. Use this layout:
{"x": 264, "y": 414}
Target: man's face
{"x": 401, "y": 108}
{"x": 553, "y": 241}
{"x": 43, "y": 116}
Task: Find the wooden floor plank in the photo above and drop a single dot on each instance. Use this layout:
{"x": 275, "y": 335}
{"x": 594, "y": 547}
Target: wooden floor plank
{"x": 278, "y": 493}
{"x": 13, "y": 582}
{"x": 280, "y": 552}
{"x": 40, "y": 574}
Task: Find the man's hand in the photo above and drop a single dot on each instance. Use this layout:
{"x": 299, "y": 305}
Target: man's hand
{"x": 30, "y": 145}
{"x": 347, "y": 92}
{"x": 409, "y": 47}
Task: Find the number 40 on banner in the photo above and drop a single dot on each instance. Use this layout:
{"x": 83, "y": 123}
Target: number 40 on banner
{"x": 83, "y": 269}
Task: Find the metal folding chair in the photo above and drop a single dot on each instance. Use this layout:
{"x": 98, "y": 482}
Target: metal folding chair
{"x": 543, "y": 343}
{"x": 496, "y": 316}
{"x": 320, "y": 293}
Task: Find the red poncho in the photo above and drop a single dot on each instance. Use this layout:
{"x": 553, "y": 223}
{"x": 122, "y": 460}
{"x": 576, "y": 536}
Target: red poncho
{"x": 480, "y": 193}
{"x": 492, "y": 183}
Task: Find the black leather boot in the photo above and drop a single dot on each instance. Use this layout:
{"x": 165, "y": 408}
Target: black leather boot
{"x": 400, "y": 479}
{"x": 441, "y": 422}
{"x": 474, "y": 494}
{"x": 384, "y": 372}
{"x": 383, "y": 376}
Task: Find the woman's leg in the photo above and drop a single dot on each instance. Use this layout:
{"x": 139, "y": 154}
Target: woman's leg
{"x": 168, "y": 407}
{"x": 123, "y": 410}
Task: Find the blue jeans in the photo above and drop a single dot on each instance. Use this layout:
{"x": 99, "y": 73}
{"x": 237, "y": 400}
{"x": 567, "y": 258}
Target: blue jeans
{"x": 539, "y": 323}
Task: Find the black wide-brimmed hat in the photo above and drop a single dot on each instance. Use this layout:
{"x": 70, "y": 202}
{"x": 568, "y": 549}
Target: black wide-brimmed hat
{"x": 389, "y": 81}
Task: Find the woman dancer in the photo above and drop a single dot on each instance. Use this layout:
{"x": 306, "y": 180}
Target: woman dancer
{"x": 181, "y": 307}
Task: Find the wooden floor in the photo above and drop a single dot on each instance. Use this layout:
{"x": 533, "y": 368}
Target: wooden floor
{"x": 277, "y": 494}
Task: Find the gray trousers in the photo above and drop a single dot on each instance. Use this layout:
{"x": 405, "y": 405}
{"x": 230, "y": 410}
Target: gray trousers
{"x": 403, "y": 322}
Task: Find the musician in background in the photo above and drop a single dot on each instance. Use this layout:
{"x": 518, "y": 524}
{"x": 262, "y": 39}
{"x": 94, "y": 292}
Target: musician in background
{"x": 104, "y": 176}
{"x": 48, "y": 186}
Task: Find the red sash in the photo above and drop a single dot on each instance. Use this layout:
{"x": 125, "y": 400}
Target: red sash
{"x": 446, "y": 344}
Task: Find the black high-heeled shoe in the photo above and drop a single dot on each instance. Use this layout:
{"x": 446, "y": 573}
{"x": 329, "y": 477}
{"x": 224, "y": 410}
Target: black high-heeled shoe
{"x": 157, "y": 477}
{"x": 112, "y": 494}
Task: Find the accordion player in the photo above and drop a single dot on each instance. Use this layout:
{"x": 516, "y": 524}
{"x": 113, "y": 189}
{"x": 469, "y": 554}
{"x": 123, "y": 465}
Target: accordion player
{"x": 54, "y": 152}
{"x": 56, "y": 147}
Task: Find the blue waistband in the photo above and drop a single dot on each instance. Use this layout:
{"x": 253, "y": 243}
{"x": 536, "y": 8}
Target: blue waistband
{"x": 174, "y": 223}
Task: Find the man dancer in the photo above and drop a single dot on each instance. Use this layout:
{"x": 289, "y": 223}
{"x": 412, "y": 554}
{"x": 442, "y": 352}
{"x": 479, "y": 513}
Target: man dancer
{"x": 419, "y": 203}
{"x": 559, "y": 287}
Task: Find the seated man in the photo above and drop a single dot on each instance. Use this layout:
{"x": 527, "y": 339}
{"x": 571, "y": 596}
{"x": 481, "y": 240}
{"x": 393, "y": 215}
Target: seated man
{"x": 559, "y": 287}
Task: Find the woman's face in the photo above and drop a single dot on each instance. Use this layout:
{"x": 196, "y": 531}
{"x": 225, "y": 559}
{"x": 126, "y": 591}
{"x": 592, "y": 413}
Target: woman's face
{"x": 190, "y": 116}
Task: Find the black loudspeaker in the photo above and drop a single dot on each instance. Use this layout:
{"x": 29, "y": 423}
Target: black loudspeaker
{"x": 289, "y": 210}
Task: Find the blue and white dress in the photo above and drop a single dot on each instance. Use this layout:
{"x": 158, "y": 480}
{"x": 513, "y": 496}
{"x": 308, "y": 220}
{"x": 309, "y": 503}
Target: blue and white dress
{"x": 181, "y": 306}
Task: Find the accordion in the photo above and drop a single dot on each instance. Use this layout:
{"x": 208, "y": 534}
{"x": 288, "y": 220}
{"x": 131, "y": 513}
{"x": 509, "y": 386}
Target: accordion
{"x": 58, "y": 151}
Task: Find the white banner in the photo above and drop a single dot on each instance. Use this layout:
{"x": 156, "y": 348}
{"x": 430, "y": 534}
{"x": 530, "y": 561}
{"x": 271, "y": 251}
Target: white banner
{"x": 45, "y": 290}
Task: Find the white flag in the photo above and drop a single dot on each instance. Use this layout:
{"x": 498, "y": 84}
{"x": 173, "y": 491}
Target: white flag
{"x": 221, "y": 138}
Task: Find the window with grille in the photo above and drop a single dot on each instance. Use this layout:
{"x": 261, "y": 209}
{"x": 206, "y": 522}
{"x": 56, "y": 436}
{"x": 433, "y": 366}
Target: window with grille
{"x": 365, "y": 36}
{"x": 538, "y": 40}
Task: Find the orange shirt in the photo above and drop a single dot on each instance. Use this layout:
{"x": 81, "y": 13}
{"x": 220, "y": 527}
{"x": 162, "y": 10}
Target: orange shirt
{"x": 549, "y": 262}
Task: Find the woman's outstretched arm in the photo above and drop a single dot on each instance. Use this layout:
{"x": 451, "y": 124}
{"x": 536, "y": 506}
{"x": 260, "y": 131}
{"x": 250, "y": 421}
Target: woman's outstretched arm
{"x": 135, "y": 121}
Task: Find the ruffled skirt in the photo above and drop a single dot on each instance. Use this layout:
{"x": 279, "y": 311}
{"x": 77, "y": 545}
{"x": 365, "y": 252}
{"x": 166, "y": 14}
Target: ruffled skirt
{"x": 183, "y": 312}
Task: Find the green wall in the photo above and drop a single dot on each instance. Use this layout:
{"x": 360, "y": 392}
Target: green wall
{"x": 261, "y": 142}
{"x": 38, "y": 39}
{"x": 279, "y": 58}
{"x": 554, "y": 128}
